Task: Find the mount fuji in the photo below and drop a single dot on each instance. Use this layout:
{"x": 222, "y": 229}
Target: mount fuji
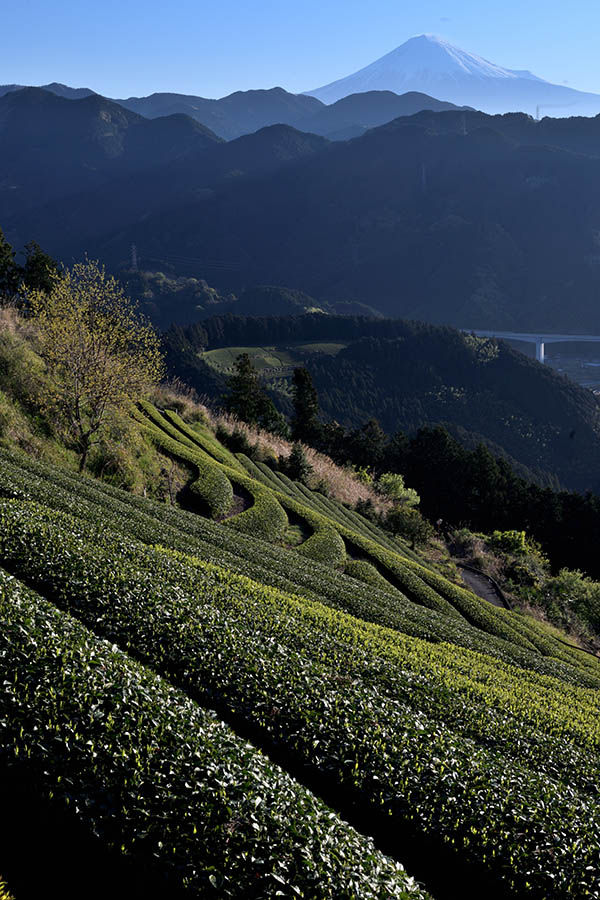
{"x": 431, "y": 65}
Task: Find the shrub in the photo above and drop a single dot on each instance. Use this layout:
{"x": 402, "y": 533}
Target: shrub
{"x": 410, "y": 524}
{"x": 510, "y": 541}
{"x": 296, "y": 466}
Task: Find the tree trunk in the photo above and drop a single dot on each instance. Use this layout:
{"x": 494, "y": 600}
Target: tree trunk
{"x": 85, "y": 449}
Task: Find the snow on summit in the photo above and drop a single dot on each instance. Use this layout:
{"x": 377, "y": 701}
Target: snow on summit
{"x": 431, "y": 65}
{"x": 428, "y": 55}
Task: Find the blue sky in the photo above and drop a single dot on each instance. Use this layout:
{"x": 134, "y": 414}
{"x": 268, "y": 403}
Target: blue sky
{"x": 213, "y": 48}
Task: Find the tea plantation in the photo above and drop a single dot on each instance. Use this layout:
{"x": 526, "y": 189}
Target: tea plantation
{"x": 226, "y": 714}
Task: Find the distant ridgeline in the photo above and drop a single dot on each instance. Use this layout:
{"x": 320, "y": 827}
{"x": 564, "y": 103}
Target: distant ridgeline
{"x": 409, "y": 375}
{"x": 505, "y": 205}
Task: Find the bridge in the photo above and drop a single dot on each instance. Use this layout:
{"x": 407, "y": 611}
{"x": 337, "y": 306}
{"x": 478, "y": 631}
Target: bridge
{"x": 540, "y": 340}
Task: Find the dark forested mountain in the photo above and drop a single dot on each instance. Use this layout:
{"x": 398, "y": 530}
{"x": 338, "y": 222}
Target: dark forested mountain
{"x": 51, "y": 146}
{"x": 409, "y": 374}
{"x": 452, "y": 217}
{"x": 579, "y": 134}
{"x": 473, "y": 229}
{"x": 71, "y": 225}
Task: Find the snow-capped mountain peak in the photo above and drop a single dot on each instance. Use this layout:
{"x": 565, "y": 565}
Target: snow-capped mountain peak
{"x": 430, "y": 55}
{"x": 432, "y": 65}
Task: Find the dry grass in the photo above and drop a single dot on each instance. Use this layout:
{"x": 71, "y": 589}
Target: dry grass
{"x": 341, "y": 483}
{"x": 14, "y": 323}
{"x": 175, "y": 394}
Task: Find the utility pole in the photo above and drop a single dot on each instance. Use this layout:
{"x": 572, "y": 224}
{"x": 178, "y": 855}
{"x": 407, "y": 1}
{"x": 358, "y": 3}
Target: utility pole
{"x": 134, "y": 259}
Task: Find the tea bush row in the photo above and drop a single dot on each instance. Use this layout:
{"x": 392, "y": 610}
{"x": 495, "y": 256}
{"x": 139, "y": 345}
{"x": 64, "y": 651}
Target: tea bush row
{"x": 203, "y": 438}
{"x": 212, "y": 486}
{"x": 162, "y": 780}
{"x": 265, "y": 517}
{"x": 323, "y": 692}
{"x": 151, "y": 522}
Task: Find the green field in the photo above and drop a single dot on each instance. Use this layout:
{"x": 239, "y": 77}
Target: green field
{"x": 330, "y": 349}
{"x": 262, "y": 357}
{"x": 224, "y": 358}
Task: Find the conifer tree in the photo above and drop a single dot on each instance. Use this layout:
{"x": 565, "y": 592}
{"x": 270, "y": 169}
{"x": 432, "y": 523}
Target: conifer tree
{"x": 245, "y": 397}
{"x": 367, "y": 444}
{"x": 9, "y": 271}
{"x": 248, "y": 400}
{"x": 297, "y": 467}
{"x": 39, "y": 271}
{"x": 305, "y": 422}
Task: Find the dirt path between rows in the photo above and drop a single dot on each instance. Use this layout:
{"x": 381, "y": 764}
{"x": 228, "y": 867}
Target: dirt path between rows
{"x": 483, "y": 586}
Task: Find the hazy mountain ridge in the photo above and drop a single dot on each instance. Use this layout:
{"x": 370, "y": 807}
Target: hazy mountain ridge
{"x": 55, "y": 87}
{"x": 245, "y": 112}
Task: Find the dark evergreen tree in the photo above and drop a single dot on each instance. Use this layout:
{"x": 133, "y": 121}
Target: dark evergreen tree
{"x": 9, "y": 271}
{"x": 40, "y": 270}
{"x": 305, "y": 422}
{"x": 366, "y": 445}
{"x": 245, "y": 399}
{"x": 334, "y": 442}
{"x": 248, "y": 400}
{"x": 297, "y": 467}
{"x": 272, "y": 420}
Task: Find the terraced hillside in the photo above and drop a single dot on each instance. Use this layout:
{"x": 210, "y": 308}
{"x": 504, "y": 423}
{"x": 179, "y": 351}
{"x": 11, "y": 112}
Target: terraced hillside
{"x": 238, "y": 698}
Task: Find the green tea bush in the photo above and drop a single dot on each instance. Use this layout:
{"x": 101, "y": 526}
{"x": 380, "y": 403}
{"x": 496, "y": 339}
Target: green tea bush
{"x": 326, "y": 546}
{"x": 148, "y": 521}
{"x": 500, "y": 764}
{"x": 366, "y": 572}
{"x": 203, "y": 437}
{"x": 265, "y": 517}
{"x": 162, "y": 780}
{"x": 212, "y": 487}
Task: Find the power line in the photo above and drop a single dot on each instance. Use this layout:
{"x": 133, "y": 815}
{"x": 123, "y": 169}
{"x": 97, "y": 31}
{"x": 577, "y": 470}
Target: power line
{"x": 207, "y": 263}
